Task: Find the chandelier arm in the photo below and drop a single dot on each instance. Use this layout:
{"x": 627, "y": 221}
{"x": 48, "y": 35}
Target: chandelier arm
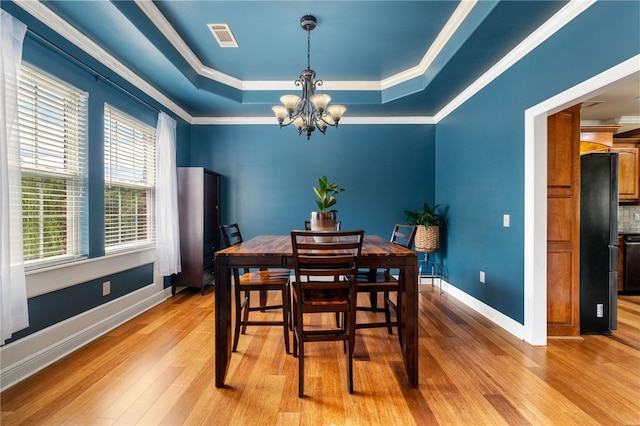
{"x": 332, "y": 124}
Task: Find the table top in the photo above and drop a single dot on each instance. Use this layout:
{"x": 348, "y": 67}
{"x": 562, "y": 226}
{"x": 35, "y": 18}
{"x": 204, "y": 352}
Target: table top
{"x": 280, "y": 245}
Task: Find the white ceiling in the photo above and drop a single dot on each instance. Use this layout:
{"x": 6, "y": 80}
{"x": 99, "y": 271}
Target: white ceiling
{"x": 620, "y": 105}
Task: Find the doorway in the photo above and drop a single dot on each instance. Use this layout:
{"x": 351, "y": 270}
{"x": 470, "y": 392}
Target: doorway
{"x": 535, "y": 238}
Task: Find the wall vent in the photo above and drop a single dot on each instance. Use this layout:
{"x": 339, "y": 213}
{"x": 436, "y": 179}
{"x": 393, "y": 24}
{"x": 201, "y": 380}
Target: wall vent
{"x": 223, "y": 35}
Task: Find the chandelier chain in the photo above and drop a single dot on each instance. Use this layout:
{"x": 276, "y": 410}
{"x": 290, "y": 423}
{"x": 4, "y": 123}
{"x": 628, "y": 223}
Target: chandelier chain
{"x": 308, "y": 49}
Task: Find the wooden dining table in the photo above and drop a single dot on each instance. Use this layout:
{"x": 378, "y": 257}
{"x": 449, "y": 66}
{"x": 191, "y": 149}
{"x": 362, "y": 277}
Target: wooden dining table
{"x": 274, "y": 251}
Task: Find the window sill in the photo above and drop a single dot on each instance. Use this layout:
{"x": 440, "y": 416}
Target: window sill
{"x": 49, "y": 279}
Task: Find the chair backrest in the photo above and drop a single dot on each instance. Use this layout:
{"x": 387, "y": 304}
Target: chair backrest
{"x": 323, "y": 263}
{"x": 307, "y": 225}
{"x": 231, "y": 234}
{"x": 404, "y": 235}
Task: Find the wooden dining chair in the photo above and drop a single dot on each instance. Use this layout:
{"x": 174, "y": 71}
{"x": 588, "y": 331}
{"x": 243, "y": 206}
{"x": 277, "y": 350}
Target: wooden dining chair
{"x": 264, "y": 281}
{"x": 325, "y": 282}
{"x": 374, "y": 281}
{"x": 307, "y": 225}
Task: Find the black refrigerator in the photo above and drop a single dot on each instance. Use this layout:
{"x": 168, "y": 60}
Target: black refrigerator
{"x": 598, "y": 243}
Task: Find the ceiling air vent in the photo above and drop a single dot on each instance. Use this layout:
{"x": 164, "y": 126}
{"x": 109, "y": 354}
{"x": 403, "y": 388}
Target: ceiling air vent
{"x": 590, "y": 104}
{"x": 223, "y": 35}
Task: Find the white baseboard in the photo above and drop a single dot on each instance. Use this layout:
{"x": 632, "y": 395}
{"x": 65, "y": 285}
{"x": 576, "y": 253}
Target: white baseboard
{"x": 27, "y": 356}
{"x": 494, "y": 315}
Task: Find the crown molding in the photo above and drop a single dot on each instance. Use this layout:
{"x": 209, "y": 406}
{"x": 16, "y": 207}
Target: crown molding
{"x": 546, "y": 30}
{"x": 449, "y": 29}
{"x": 56, "y": 23}
{"x": 629, "y": 119}
{"x": 66, "y": 30}
{"x": 221, "y": 121}
{"x": 165, "y": 27}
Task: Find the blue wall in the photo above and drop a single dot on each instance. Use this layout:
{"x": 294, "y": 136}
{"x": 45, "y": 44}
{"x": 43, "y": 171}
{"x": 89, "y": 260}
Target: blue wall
{"x": 480, "y": 151}
{"x": 268, "y": 173}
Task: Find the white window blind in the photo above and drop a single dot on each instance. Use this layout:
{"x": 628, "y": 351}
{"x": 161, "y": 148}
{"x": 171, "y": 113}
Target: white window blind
{"x": 129, "y": 181}
{"x": 52, "y": 120}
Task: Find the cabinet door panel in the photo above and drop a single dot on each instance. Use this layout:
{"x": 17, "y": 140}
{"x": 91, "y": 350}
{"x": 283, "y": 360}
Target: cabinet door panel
{"x": 628, "y": 172}
{"x": 563, "y": 223}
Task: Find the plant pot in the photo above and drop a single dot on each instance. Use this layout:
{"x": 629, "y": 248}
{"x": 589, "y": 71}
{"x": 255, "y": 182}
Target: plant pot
{"x": 323, "y": 221}
{"x": 427, "y": 238}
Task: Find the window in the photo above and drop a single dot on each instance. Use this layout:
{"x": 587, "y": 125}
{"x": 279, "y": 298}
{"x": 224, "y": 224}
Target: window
{"x": 52, "y": 122}
{"x": 129, "y": 170}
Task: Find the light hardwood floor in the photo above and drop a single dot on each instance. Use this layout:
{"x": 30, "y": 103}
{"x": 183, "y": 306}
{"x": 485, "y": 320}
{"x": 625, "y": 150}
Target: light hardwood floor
{"x": 158, "y": 369}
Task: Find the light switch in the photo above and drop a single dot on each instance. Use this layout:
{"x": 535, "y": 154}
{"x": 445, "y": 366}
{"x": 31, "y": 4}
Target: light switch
{"x": 505, "y": 220}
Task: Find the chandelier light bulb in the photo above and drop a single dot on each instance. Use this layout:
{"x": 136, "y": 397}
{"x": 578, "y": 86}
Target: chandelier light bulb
{"x": 322, "y": 125}
{"x": 290, "y": 102}
{"x": 298, "y": 122}
{"x": 336, "y": 112}
{"x": 280, "y": 112}
{"x": 320, "y": 101}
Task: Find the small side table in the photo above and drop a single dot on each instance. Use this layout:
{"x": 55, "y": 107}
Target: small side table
{"x": 433, "y": 269}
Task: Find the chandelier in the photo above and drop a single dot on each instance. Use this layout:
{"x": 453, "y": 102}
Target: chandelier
{"x": 311, "y": 110}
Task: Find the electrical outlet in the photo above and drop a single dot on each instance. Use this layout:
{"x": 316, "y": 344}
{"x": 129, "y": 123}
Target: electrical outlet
{"x": 506, "y": 219}
{"x": 482, "y": 277}
{"x": 106, "y": 288}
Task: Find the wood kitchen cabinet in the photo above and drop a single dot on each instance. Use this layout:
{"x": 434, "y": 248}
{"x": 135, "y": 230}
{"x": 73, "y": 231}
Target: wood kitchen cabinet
{"x": 628, "y": 171}
{"x": 627, "y": 146}
{"x": 199, "y": 211}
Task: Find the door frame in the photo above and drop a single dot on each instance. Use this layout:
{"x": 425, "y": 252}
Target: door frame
{"x": 535, "y": 193}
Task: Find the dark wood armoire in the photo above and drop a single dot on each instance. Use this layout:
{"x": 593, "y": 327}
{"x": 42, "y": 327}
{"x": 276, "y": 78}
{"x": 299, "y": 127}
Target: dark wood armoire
{"x": 199, "y": 211}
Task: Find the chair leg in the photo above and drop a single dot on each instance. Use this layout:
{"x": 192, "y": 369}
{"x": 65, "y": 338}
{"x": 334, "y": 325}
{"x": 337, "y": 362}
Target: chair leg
{"x": 351, "y": 341}
{"x": 300, "y": 363}
{"x": 399, "y": 318}
{"x": 294, "y": 325}
{"x": 387, "y": 312}
{"x": 236, "y": 329}
{"x": 285, "y": 319}
{"x": 373, "y": 300}
{"x": 247, "y": 305}
{"x": 290, "y": 303}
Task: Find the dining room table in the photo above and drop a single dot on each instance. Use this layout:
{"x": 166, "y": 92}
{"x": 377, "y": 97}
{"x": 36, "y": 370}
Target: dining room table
{"x": 275, "y": 251}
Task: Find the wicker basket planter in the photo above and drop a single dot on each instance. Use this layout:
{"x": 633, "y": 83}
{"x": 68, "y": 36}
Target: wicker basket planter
{"x": 427, "y": 238}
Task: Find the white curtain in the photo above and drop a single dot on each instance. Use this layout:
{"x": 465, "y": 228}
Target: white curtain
{"x": 13, "y": 290}
{"x": 167, "y": 225}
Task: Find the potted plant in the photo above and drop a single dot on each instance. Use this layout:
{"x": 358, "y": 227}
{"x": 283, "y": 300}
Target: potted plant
{"x": 428, "y": 227}
{"x": 325, "y": 219}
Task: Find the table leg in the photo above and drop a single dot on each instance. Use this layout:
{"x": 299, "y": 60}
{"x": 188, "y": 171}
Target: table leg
{"x": 222, "y": 322}
{"x": 410, "y": 313}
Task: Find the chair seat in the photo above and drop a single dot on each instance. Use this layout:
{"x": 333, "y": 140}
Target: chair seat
{"x": 372, "y": 280}
{"x": 325, "y": 297}
{"x": 264, "y": 278}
